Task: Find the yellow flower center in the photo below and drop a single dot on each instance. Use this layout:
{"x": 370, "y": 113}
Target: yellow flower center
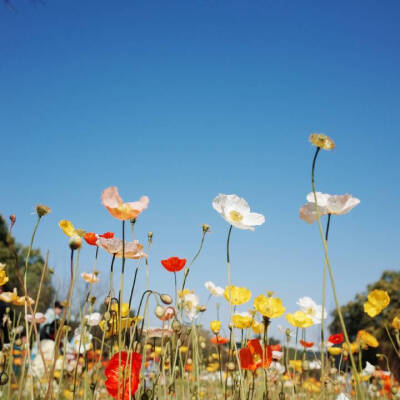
{"x": 310, "y": 311}
{"x": 235, "y": 216}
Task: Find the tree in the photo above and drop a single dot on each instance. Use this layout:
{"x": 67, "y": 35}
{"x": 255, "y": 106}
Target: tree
{"x": 8, "y": 249}
{"x": 355, "y": 319}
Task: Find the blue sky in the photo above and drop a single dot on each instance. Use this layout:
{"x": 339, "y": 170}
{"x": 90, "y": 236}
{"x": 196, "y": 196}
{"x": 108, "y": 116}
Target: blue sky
{"x": 184, "y": 100}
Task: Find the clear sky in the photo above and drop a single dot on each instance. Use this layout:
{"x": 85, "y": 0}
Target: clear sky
{"x": 182, "y": 100}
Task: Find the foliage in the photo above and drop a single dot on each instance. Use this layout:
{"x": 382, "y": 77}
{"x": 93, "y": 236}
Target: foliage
{"x": 8, "y": 249}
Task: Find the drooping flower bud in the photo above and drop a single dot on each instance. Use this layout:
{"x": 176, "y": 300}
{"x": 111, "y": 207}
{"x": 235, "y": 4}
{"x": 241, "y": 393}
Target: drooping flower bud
{"x": 42, "y": 210}
{"x": 166, "y": 298}
{"x": 75, "y": 242}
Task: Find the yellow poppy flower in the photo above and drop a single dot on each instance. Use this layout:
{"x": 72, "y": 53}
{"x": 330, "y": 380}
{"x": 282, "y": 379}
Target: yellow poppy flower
{"x": 258, "y": 328}
{"x": 366, "y": 339}
{"x": 124, "y": 309}
{"x": 242, "y": 320}
{"x": 111, "y": 329}
{"x": 322, "y": 141}
{"x": 296, "y": 364}
{"x": 378, "y": 300}
{"x": 237, "y": 295}
{"x": 215, "y": 326}
{"x": 335, "y": 351}
{"x": 68, "y": 228}
{"x": 396, "y": 322}
{"x": 270, "y": 307}
{"x": 20, "y": 301}
{"x": 299, "y": 319}
{"x": 9, "y": 297}
{"x": 3, "y": 275}
{"x": 183, "y": 349}
{"x": 354, "y": 347}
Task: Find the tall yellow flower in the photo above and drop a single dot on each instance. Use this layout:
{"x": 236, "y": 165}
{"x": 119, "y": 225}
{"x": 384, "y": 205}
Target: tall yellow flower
{"x": 237, "y": 295}
{"x": 322, "y": 141}
{"x": 366, "y": 339}
{"x": 215, "y": 326}
{"x": 378, "y": 300}
{"x": 242, "y": 320}
{"x": 299, "y": 319}
{"x": 335, "y": 351}
{"x": 396, "y": 322}
{"x": 3, "y": 275}
{"x": 69, "y": 229}
{"x": 270, "y": 307}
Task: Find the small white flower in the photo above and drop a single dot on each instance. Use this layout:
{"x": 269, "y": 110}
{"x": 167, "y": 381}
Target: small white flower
{"x": 277, "y": 355}
{"x": 82, "y": 342}
{"x": 315, "y": 365}
{"x": 369, "y": 369}
{"x": 39, "y": 318}
{"x": 191, "y": 306}
{"x": 342, "y": 396}
{"x": 277, "y": 367}
{"x": 93, "y": 319}
{"x": 236, "y": 211}
{"x": 327, "y": 204}
{"x": 214, "y": 290}
{"x": 314, "y": 311}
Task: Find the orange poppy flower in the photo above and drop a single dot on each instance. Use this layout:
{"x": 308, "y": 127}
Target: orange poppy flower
{"x": 173, "y": 264}
{"x": 251, "y": 357}
{"x": 127, "y": 379}
{"x": 336, "y": 339}
{"x": 305, "y": 344}
{"x": 91, "y": 237}
{"x": 219, "y": 340}
{"x": 120, "y": 210}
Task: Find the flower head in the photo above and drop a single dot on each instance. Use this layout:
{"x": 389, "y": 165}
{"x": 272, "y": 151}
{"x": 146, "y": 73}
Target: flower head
{"x": 299, "y": 319}
{"x": 219, "y": 340}
{"x": 69, "y": 229}
{"x": 242, "y": 320}
{"x": 39, "y": 318}
{"x": 93, "y": 319}
{"x": 396, "y": 322}
{"x": 335, "y": 351}
{"x": 215, "y": 326}
{"x": 174, "y": 264}
{"x": 236, "y": 211}
{"x": 120, "y": 210}
{"x": 337, "y": 338}
{"x": 322, "y": 141}
{"x": 89, "y": 278}
{"x": 270, "y": 307}
{"x": 309, "y": 307}
{"x": 3, "y": 276}
{"x": 42, "y": 210}
{"x": 305, "y": 344}
{"x": 378, "y": 300}
{"x": 9, "y": 297}
{"x": 251, "y": 357}
{"x": 237, "y": 295}
{"x": 366, "y": 339}
{"x": 126, "y": 365}
{"x": 91, "y": 237}
{"x": 133, "y": 250}
{"x": 214, "y": 290}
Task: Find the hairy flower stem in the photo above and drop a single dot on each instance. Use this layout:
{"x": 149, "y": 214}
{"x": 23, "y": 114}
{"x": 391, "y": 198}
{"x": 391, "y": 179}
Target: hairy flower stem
{"x": 323, "y": 313}
{"x": 330, "y": 271}
{"x": 121, "y": 288}
{"x": 193, "y": 259}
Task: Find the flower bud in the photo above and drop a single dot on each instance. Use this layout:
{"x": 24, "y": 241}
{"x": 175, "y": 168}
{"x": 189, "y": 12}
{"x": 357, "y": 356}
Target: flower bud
{"x": 75, "y": 242}
{"x": 206, "y": 228}
{"x": 176, "y": 326}
{"x": 13, "y": 219}
{"x": 3, "y": 378}
{"x": 202, "y": 308}
{"x": 42, "y": 210}
{"x": 150, "y": 237}
{"x": 159, "y": 311}
{"x": 166, "y": 298}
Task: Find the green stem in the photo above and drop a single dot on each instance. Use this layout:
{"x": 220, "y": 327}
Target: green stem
{"x": 328, "y": 263}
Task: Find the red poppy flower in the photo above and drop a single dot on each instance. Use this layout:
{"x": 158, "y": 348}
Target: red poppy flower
{"x": 305, "y": 344}
{"x": 91, "y": 237}
{"x": 127, "y": 378}
{"x": 336, "y": 339}
{"x": 173, "y": 264}
{"x": 219, "y": 340}
{"x": 251, "y": 357}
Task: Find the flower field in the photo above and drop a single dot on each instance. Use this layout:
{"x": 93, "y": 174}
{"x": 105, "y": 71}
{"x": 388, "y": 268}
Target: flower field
{"x": 113, "y": 348}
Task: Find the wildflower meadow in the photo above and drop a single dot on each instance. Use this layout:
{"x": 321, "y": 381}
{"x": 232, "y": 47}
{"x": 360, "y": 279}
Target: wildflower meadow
{"x": 113, "y": 348}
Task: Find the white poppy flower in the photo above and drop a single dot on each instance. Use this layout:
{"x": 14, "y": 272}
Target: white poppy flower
{"x": 314, "y": 311}
{"x": 315, "y": 364}
{"x": 278, "y": 367}
{"x": 369, "y": 369}
{"x": 335, "y": 204}
{"x": 39, "y": 318}
{"x": 93, "y": 319}
{"x": 236, "y": 211}
{"x": 214, "y": 290}
{"x": 308, "y": 212}
{"x": 191, "y": 305}
{"x": 277, "y": 355}
{"x": 82, "y": 342}
{"x": 342, "y": 396}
